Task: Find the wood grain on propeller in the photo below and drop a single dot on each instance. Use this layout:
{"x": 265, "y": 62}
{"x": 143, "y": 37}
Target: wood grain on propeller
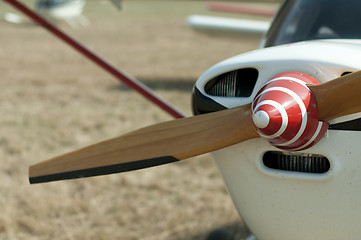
{"x": 339, "y": 97}
{"x": 154, "y": 145}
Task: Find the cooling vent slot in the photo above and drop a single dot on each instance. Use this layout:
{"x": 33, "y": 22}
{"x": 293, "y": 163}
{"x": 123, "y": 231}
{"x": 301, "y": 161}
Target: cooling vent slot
{"x": 307, "y": 163}
{"x": 238, "y": 83}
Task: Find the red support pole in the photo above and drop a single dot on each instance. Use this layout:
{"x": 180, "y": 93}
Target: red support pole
{"x": 120, "y": 75}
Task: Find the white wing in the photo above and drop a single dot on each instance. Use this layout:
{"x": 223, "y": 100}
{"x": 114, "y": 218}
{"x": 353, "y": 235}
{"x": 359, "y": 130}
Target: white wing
{"x": 227, "y": 24}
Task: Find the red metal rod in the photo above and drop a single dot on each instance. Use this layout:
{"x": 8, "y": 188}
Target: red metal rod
{"x": 120, "y": 75}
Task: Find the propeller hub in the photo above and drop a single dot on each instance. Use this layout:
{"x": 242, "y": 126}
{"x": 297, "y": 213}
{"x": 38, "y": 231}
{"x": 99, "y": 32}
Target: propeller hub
{"x": 285, "y": 113}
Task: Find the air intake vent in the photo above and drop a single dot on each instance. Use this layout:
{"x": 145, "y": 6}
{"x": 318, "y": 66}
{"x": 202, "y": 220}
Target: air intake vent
{"x": 308, "y": 163}
{"x": 238, "y": 83}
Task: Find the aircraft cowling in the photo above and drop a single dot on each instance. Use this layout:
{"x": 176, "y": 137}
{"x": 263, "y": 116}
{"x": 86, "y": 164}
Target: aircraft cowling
{"x": 281, "y": 194}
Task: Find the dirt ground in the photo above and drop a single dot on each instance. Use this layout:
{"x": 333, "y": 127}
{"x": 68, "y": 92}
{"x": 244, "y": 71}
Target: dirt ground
{"x": 52, "y": 100}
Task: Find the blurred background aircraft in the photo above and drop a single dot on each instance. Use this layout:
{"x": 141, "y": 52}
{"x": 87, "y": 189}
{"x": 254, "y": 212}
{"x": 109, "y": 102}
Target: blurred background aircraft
{"x": 70, "y": 11}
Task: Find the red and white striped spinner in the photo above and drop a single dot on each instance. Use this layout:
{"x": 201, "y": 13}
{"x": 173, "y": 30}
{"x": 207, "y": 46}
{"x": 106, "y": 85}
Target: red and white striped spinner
{"x": 285, "y": 113}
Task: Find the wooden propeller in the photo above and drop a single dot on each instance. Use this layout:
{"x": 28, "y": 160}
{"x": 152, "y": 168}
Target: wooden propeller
{"x": 154, "y": 145}
{"x": 184, "y": 138}
{"x": 339, "y": 97}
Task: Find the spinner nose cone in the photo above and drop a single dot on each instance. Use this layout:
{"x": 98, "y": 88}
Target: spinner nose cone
{"x": 284, "y": 112}
{"x": 261, "y": 119}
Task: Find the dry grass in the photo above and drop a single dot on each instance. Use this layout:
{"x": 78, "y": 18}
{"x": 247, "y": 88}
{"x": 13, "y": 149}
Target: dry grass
{"x": 52, "y": 100}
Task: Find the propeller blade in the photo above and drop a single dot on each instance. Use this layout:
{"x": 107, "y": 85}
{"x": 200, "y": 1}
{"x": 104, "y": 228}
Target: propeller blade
{"x": 338, "y": 97}
{"x": 154, "y": 145}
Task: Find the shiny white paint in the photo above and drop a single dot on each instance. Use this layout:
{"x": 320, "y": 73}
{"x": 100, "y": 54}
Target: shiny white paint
{"x": 260, "y": 119}
{"x": 283, "y": 205}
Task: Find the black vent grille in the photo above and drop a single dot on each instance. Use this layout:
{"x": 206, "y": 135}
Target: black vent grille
{"x": 238, "y": 83}
{"x": 226, "y": 87}
{"x": 307, "y": 163}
